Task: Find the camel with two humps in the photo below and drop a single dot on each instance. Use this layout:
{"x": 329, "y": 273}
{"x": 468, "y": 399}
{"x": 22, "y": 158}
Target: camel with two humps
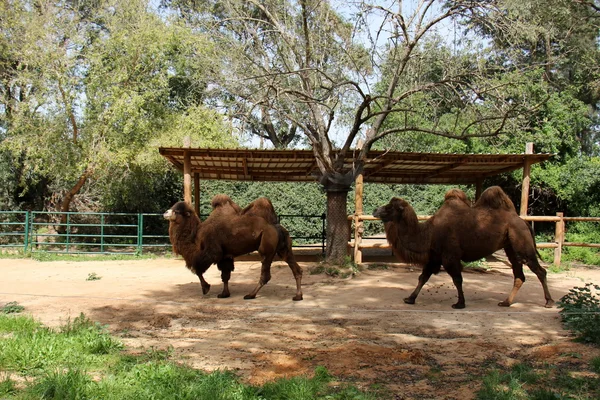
{"x": 460, "y": 232}
{"x": 228, "y": 233}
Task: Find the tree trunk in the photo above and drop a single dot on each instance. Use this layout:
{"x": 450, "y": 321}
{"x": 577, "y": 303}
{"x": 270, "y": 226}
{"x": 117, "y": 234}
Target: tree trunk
{"x": 338, "y": 227}
{"x": 66, "y": 202}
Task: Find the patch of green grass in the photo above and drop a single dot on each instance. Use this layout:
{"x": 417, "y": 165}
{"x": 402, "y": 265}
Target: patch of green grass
{"x": 557, "y": 269}
{"x": 376, "y": 266}
{"x": 12, "y": 307}
{"x": 48, "y": 257}
{"x": 595, "y": 365}
{"x": 31, "y": 348}
{"x": 522, "y": 382}
{"x": 7, "y": 386}
{"x": 81, "y": 361}
{"x": 92, "y": 276}
{"x": 478, "y": 264}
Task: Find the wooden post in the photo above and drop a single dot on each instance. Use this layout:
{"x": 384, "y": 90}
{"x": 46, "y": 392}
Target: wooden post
{"x": 358, "y": 224}
{"x": 559, "y": 237}
{"x": 187, "y": 171}
{"x": 197, "y": 192}
{"x": 526, "y": 180}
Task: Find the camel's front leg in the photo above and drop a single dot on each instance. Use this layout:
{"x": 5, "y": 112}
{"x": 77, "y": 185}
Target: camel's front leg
{"x": 423, "y": 278}
{"x": 205, "y": 285}
{"x": 455, "y": 273}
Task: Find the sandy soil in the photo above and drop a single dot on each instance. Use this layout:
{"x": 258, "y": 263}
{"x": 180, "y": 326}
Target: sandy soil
{"x": 358, "y": 327}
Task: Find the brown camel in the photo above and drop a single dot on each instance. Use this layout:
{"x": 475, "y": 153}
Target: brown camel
{"x": 223, "y": 205}
{"x": 225, "y": 235}
{"x": 458, "y": 232}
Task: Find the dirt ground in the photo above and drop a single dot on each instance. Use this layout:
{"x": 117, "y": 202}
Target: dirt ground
{"x": 359, "y": 327}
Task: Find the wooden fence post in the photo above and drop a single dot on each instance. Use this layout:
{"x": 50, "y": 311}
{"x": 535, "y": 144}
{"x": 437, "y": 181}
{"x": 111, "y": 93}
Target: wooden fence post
{"x": 187, "y": 171}
{"x": 526, "y": 180}
{"x": 559, "y": 237}
{"x": 358, "y": 224}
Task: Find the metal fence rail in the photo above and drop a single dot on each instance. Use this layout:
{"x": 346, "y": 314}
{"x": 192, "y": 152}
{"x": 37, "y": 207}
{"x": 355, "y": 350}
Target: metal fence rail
{"x": 115, "y": 233}
{"x": 14, "y": 229}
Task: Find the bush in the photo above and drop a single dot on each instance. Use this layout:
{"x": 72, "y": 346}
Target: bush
{"x": 580, "y": 312}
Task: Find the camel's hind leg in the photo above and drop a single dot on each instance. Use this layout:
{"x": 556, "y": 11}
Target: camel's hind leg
{"x": 265, "y": 275}
{"x": 517, "y": 267}
{"x": 297, "y": 271}
{"x": 287, "y": 255}
{"x": 540, "y": 272}
{"x": 226, "y": 267}
{"x": 519, "y": 276}
{"x": 428, "y": 270}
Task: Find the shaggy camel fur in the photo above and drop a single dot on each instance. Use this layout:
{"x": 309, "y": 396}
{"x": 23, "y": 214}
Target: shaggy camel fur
{"x": 226, "y": 235}
{"x": 223, "y": 205}
{"x": 458, "y": 232}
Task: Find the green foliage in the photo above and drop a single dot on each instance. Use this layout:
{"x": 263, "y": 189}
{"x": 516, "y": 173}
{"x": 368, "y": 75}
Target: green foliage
{"x": 12, "y": 307}
{"x": 580, "y": 312}
{"x": 69, "y": 364}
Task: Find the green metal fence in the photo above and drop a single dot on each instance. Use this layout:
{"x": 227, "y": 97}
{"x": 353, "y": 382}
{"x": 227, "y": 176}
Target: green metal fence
{"x": 112, "y": 233}
{"x": 14, "y": 229}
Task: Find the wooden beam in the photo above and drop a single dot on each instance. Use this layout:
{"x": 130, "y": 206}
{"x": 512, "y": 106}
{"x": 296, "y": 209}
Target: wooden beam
{"x": 445, "y": 169}
{"x": 526, "y": 180}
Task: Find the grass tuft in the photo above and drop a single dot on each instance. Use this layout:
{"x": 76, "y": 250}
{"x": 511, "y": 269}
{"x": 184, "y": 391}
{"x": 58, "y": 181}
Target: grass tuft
{"x": 12, "y": 308}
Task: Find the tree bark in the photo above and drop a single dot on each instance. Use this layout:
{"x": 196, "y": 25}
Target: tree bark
{"x": 338, "y": 227}
{"x": 66, "y": 202}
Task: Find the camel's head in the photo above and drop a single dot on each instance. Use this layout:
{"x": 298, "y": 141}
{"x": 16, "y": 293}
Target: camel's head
{"x": 392, "y": 211}
{"x": 179, "y": 211}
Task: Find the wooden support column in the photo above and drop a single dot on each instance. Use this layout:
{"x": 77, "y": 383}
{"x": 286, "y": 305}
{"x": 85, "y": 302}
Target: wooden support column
{"x": 526, "y": 181}
{"x": 559, "y": 236}
{"x": 358, "y": 224}
{"x": 197, "y": 192}
{"x": 187, "y": 172}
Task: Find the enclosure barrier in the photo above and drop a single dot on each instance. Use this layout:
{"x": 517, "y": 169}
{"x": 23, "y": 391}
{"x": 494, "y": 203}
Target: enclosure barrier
{"x": 357, "y": 244}
{"x": 114, "y": 233}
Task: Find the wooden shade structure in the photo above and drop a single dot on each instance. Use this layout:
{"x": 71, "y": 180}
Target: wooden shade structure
{"x": 382, "y": 166}
{"x": 389, "y": 167}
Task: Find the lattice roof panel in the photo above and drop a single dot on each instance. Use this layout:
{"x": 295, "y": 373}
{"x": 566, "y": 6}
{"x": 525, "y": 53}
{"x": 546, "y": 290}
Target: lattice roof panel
{"x": 382, "y": 166}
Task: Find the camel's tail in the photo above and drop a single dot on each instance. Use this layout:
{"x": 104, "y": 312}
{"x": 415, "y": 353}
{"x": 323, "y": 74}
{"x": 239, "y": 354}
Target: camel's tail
{"x": 284, "y": 246}
{"x": 534, "y": 243}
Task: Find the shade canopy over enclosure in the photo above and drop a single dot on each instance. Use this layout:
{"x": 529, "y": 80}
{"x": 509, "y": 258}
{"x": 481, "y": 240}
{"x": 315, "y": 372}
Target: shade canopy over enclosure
{"x": 382, "y": 166}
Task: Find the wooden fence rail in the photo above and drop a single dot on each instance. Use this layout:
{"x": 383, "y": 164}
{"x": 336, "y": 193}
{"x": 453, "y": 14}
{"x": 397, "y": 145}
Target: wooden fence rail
{"x": 559, "y": 234}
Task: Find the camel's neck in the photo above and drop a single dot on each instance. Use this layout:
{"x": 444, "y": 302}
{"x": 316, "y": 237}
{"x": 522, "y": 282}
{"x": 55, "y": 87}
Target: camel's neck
{"x": 410, "y": 240}
{"x": 186, "y": 234}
